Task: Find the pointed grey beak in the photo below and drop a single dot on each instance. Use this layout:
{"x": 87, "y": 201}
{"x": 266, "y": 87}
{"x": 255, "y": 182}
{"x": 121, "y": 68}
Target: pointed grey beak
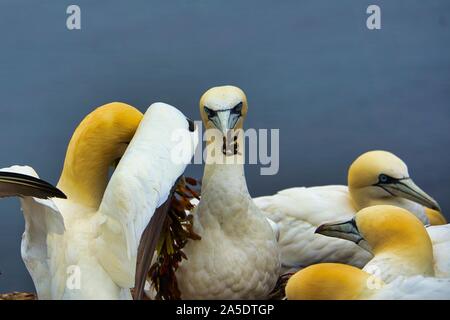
{"x": 346, "y": 230}
{"x": 222, "y": 121}
{"x": 225, "y": 120}
{"x": 406, "y": 188}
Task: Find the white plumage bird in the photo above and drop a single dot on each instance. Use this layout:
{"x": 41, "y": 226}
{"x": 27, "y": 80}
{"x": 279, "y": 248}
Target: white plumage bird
{"x": 376, "y": 177}
{"x": 86, "y": 247}
{"x": 237, "y": 256}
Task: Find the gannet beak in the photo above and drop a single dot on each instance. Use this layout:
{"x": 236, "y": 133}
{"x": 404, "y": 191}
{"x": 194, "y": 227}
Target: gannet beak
{"x": 406, "y": 188}
{"x": 225, "y": 121}
{"x": 346, "y": 230}
{"x": 222, "y": 121}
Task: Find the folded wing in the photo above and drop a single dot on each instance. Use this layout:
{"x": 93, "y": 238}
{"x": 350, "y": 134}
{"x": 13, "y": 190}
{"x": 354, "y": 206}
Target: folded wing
{"x": 138, "y": 190}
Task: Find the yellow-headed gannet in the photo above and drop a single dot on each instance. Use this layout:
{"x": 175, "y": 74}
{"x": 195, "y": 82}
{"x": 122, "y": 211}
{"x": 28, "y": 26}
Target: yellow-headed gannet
{"x": 376, "y": 177}
{"x": 86, "y": 247}
{"x": 399, "y": 242}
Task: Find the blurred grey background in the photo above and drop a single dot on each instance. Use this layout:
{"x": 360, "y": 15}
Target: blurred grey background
{"x": 310, "y": 68}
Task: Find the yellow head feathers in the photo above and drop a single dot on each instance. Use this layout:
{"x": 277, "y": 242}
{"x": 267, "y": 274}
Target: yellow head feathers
{"x": 379, "y": 177}
{"x": 331, "y": 281}
{"x": 224, "y": 108}
{"x": 366, "y": 169}
{"x": 396, "y": 238}
{"x": 387, "y": 227}
{"x": 99, "y": 140}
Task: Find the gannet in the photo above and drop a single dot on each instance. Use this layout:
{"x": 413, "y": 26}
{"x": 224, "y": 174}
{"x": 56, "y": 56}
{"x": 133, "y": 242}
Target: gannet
{"x": 435, "y": 218}
{"x": 85, "y": 246}
{"x": 21, "y": 185}
{"x": 333, "y": 281}
{"x": 399, "y": 242}
{"x": 376, "y": 177}
{"x": 237, "y": 256}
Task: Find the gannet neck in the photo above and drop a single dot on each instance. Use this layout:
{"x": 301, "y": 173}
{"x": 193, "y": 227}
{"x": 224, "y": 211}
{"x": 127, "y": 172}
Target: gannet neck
{"x": 231, "y": 163}
{"x": 99, "y": 141}
{"x": 332, "y": 281}
{"x": 224, "y": 176}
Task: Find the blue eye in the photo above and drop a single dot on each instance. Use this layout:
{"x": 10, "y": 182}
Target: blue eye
{"x": 383, "y": 178}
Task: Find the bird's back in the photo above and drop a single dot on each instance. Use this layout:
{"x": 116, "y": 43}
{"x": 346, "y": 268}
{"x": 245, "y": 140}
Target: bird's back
{"x": 298, "y": 212}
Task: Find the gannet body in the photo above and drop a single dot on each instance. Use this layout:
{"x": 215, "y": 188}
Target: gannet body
{"x": 333, "y": 281}
{"x": 298, "y": 212}
{"x": 85, "y": 246}
{"x": 399, "y": 242}
{"x": 237, "y": 256}
{"x": 376, "y": 177}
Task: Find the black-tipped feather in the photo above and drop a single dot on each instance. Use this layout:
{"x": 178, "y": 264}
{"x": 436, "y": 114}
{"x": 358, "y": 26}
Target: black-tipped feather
{"x": 21, "y": 185}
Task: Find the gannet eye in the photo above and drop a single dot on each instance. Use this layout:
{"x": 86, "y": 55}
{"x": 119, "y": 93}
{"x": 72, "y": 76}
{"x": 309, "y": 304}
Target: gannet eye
{"x": 382, "y": 178}
{"x": 210, "y": 113}
{"x": 237, "y": 109}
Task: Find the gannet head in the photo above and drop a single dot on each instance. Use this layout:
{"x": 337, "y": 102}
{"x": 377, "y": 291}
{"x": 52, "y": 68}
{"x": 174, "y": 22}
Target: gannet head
{"x": 97, "y": 144}
{"x": 106, "y": 132}
{"x": 331, "y": 281}
{"x": 387, "y": 230}
{"x": 380, "y": 177}
{"x": 223, "y": 108}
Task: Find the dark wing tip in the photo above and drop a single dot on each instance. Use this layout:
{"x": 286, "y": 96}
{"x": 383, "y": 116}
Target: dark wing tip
{"x": 191, "y": 125}
{"x": 42, "y": 188}
{"x": 58, "y": 193}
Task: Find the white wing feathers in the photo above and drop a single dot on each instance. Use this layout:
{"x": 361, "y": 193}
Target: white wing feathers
{"x": 413, "y": 288}
{"x": 314, "y": 205}
{"x": 298, "y": 212}
{"x": 42, "y": 222}
{"x": 140, "y": 184}
{"x": 440, "y": 237}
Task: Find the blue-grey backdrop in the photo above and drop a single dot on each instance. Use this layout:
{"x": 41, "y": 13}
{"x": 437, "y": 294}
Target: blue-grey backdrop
{"x": 311, "y": 68}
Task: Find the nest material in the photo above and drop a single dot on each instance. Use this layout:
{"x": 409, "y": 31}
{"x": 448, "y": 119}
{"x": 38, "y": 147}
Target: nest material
{"x": 177, "y": 231}
{"x": 279, "y": 292}
{"x": 18, "y": 296}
